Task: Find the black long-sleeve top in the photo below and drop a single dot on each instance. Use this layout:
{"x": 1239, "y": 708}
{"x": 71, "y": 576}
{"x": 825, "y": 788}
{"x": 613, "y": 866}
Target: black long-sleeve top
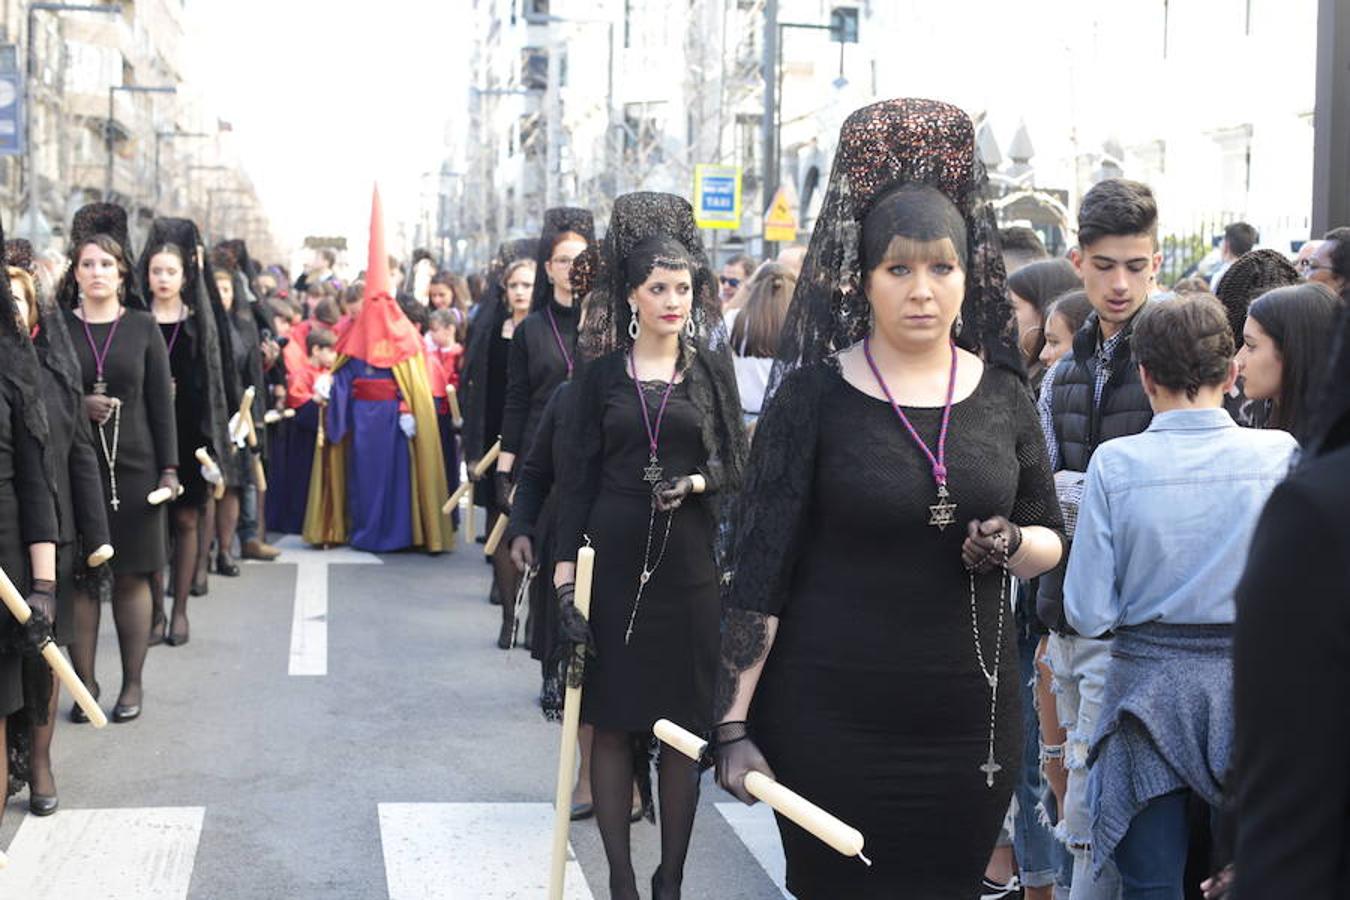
{"x": 1292, "y": 691}
{"x": 27, "y": 503}
{"x": 535, "y": 367}
{"x": 539, "y": 469}
{"x": 79, "y": 495}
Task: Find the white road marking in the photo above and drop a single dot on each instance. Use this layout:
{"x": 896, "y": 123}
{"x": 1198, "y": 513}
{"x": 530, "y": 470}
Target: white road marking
{"x": 309, "y": 620}
{"x": 483, "y": 851}
{"x": 758, "y": 831}
{"x": 104, "y": 854}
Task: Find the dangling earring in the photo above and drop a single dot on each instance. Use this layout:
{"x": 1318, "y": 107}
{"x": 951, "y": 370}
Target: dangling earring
{"x": 633, "y": 326}
{"x": 956, "y": 326}
{"x": 690, "y": 329}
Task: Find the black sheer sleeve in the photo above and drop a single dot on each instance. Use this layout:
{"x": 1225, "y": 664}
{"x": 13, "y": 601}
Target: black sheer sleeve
{"x": 768, "y": 524}
{"x": 771, "y": 512}
{"x": 580, "y": 482}
{"x": 1036, "y": 502}
{"x": 91, "y": 515}
{"x": 536, "y": 472}
{"x": 1291, "y": 686}
{"x": 517, "y": 408}
{"x": 158, "y": 399}
{"x": 37, "y": 502}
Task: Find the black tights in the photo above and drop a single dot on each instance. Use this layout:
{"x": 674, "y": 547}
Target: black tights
{"x": 612, "y": 787}
{"x": 227, "y": 521}
{"x": 132, "y": 614}
{"x": 40, "y": 775}
{"x": 184, "y": 570}
{"x": 508, "y": 581}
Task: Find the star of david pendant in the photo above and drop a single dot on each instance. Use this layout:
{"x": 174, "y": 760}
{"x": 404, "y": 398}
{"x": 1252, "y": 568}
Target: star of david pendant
{"x": 989, "y": 768}
{"x": 652, "y": 473}
{"x": 943, "y": 513}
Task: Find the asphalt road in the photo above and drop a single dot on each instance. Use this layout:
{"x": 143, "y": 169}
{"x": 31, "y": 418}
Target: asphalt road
{"x": 417, "y": 765}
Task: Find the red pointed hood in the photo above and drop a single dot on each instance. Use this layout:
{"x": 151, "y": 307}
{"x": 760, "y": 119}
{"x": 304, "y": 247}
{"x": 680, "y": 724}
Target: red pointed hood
{"x": 381, "y": 335}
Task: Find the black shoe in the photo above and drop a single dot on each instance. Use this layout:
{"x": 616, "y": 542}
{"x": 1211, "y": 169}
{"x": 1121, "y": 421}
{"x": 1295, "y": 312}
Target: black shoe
{"x": 582, "y": 811}
{"x": 199, "y": 589}
{"x": 40, "y": 805}
{"x": 659, "y": 886}
{"x": 226, "y": 566}
{"x": 505, "y": 636}
{"x": 157, "y": 636}
{"x": 76, "y": 714}
{"x": 176, "y": 640}
{"x": 126, "y": 712}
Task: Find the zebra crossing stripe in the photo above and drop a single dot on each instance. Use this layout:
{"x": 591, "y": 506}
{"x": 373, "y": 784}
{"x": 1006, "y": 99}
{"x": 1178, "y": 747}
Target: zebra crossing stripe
{"x": 105, "y": 854}
{"x": 487, "y": 851}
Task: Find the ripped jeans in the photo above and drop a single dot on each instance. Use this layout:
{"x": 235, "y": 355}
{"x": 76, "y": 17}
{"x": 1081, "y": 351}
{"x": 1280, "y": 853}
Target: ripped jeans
{"x": 1079, "y": 665}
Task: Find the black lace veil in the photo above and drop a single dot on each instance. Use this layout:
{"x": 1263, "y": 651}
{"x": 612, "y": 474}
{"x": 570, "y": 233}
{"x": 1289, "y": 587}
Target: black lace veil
{"x": 487, "y": 322}
{"x": 644, "y": 229}
{"x": 20, "y": 369}
{"x": 886, "y": 153}
{"x": 1251, "y": 275}
{"x": 208, "y": 319}
{"x": 557, "y": 221}
{"x": 88, "y": 221}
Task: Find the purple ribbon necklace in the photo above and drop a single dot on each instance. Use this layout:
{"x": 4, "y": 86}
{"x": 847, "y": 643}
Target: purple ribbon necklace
{"x": 652, "y": 475}
{"x": 942, "y": 513}
{"x": 101, "y": 389}
{"x": 562, "y": 345}
{"x": 173, "y": 339}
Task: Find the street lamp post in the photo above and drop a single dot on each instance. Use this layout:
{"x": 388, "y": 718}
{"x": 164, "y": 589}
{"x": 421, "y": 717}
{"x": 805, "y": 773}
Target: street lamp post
{"x": 160, "y": 137}
{"x": 30, "y": 165}
{"x": 112, "y": 92}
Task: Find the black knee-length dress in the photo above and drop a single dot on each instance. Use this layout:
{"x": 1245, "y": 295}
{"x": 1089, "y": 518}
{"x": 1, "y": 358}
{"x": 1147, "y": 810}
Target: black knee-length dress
{"x": 27, "y": 516}
{"x": 136, "y": 370}
{"x": 188, "y": 373}
{"x": 871, "y": 702}
{"x": 668, "y": 667}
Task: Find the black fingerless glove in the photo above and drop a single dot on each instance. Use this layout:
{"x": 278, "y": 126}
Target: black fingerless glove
{"x": 571, "y": 623}
{"x": 502, "y": 486}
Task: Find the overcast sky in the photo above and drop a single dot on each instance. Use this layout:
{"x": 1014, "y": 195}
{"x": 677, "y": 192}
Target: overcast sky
{"x": 325, "y": 100}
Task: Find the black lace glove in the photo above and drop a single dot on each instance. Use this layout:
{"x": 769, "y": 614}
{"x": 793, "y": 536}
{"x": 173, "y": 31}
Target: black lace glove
{"x": 571, "y": 623}
{"x": 501, "y": 483}
{"x": 990, "y": 544}
{"x": 42, "y": 598}
{"x": 522, "y": 552}
{"x": 168, "y": 478}
{"x": 668, "y": 495}
{"x": 737, "y": 756}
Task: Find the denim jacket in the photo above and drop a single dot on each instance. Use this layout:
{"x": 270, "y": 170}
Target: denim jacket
{"x": 1166, "y": 519}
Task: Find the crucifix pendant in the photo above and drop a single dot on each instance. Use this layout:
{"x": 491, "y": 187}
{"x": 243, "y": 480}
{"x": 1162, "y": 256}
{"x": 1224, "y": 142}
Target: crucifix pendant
{"x": 942, "y": 513}
{"x": 114, "y": 503}
{"x": 652, "y": 473}
{"x": 989, "y": 768}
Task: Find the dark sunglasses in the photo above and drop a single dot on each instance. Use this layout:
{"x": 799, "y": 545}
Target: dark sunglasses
{"x": 733, "y": 282}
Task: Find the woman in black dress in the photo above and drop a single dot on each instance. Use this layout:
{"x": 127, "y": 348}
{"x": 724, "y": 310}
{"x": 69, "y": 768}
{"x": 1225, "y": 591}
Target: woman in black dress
{"x": 896, "y": 473}
{"x": 176, "y": 287}
{"x": 505, "y": 305}
{"x": 541, "y": 357}
{"x": 28, "y": 517}
{"x": 129, "y": 398}
{"x": 656, "y": 438}
{"x": 245, "y": 367}
{"x": 81, "y": 515}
